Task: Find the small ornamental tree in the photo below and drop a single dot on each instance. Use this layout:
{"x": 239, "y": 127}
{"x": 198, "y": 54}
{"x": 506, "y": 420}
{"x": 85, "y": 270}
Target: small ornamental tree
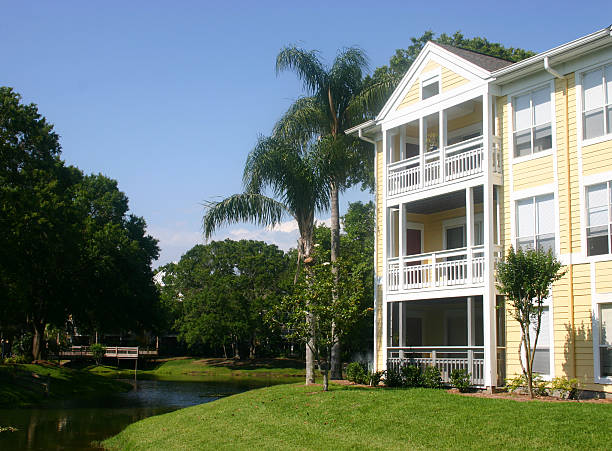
{"x": 315, "y": 313}
{"x": 97, "y": 352}
{"x": 525, "y": 278}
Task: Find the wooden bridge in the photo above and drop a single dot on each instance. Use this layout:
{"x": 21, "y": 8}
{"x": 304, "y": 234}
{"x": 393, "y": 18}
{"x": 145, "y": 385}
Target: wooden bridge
{"x": 117, "y": 352}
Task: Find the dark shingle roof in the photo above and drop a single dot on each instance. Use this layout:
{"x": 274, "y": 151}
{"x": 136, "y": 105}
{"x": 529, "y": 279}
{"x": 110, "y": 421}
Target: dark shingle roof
{"x": 489, "y": 63}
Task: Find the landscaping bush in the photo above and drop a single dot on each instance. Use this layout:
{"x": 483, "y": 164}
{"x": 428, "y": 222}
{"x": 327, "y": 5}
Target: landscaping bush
{"x": 412, "y": 376}
{"x": 432, "y": 377}
{"x": 540, "y": 386}
{"x": 394, "y": 378}
{"x": 375, "y": 378}
{"x": 514, "y": 383}
{"x": 565, "y": 388}
{"x": 357, "y": 372}
{"x": 460, "y": 379}
{"x": 97, "y": 351}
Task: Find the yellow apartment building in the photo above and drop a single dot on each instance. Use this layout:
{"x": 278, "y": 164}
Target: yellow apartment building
{"x": 475, "y": 154}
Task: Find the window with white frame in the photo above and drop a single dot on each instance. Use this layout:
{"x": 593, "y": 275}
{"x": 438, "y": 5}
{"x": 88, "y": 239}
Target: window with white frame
{"x": 599, "y": 218}
{"x": 541, "y": 357}
{"x": 532, "y": 122}
{"x": 430, "y": 87}
{"x": 605, "y": 340}
{"x": 597, "y": 102}
{"x": 535, "y": 223}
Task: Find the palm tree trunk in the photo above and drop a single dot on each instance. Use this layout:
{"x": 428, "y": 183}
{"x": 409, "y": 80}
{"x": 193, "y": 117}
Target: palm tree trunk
{"x": 306, "y": 249}
{"x": 336, "y": 363}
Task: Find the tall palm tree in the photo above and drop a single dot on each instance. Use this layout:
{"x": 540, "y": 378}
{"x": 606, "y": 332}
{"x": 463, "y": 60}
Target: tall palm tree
{"x": 339, "y": 97}
{"x": 298, "y": 191}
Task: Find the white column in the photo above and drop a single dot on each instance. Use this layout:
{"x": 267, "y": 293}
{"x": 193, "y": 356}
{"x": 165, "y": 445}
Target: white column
{"x": 401, "y": 244}
{"x": 442, "y": 128}
{"x": 422, "y": 148}
{"x": 470, "y": 332}
{"x": 488, "y": 301}
{"x": 402, "y": 140}
{"x": 385, "y": 233}
{"x": 469, "y": 229}
{"x": 402, "y": 324}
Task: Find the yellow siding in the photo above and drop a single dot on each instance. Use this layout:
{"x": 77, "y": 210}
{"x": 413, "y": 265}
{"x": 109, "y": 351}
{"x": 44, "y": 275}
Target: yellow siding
{"x": 528, "y": 174}
{"x": 597, "y": 158}
{"x": 451, "y": 80}
{"x": 433, "y": 225}
{"x": 412, "y": 96}
{"x": 565, "y": 199}
{"x": 603, "y": 277}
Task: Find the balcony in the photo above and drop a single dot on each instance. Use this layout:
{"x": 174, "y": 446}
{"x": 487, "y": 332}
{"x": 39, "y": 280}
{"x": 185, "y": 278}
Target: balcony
{"x": 445, "y": 358}
{"x": 434, "y": 270}
{"x": 461, "y": 160}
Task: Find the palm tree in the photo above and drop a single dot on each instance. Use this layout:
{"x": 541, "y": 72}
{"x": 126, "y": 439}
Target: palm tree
{"x": 298, "y": 190}
{"x": 339, "y": 97}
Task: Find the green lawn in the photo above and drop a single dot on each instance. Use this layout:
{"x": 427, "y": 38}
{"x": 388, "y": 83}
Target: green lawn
{"x": 28, "y": 384}
{"x": 178, "y": 368}
{"x": 299, "y": 417}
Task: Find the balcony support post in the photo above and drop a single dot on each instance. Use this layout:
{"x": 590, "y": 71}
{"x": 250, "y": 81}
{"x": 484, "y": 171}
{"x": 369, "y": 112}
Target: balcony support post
{"x": 401, "y": 235}
{"x": 488, "y": 301}
{"x": 422, "y": 148}
{"x": 442, "y": 146}
{"x": 469, "y": 231}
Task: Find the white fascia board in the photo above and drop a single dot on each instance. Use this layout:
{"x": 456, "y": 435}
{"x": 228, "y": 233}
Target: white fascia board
{"x": 361, "y": 126}
{"x": 443, "y": 57}
{"x": 555, "y": 55}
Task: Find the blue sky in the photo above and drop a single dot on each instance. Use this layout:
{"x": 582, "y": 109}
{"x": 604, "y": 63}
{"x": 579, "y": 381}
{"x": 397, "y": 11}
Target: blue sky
{"x": 169, "y": 97}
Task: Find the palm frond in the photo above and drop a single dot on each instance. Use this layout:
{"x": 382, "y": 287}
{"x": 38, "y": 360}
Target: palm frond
{"x": 245, "y": 207}
{"x": 306, "y": 65}
{"x": 367, "y": 103}
{"x": 305, "y": 118}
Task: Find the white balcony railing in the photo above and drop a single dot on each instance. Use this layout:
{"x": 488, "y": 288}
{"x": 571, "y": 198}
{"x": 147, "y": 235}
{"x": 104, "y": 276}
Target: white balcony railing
{"x": 456, "y": 267}
{"x": 461, "y": 160}
{"x": 445, "y": 358}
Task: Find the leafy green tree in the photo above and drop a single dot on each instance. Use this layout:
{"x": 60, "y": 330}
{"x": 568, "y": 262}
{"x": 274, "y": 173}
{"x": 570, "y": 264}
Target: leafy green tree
{"x": 280, "y": 165}
{"x": 224, "y": 288}
{"x": 116, "y": 257}
{"x": 330, "y": 303}
{"x": 38, "y": 220}
{"x": 68, "y": 245}
{"x": 526, "y": 278}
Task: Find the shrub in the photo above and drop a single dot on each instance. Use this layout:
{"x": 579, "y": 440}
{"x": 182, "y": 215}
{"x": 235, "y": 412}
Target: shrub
{"x": 357, "y": 372}
{"x": 567, "y": 388}
{"x": 515, "y": 383}
{"x": 97, "y": 352}
{"x": 375, "y": 378}
{"x": 432, "y": 377}
{"x": 394, "y": 378}
{"x": 412, "y": 376}
{"x": 460, "y": 379}
{"x": 16, "y": 359}
{"x": 540, "y": 386}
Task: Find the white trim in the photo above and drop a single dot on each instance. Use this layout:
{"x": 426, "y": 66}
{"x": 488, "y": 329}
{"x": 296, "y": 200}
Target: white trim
{"x": 553, "y": 121}
{"x": 596, "y": 300}
{"x": 540, "y": 190}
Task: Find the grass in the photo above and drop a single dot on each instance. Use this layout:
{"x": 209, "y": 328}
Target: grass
{"x": 181, "y": 367}
{"x": 299, "y": 417}
{"x": 30, "y": 384}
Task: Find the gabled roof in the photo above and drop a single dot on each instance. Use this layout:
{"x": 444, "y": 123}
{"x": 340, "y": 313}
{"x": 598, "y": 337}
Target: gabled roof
{"x": 487, "y": 62}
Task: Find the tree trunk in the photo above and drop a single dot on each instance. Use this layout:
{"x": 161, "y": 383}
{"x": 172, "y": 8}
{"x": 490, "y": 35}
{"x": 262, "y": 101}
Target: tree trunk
{"x": 252, "y": 348}
{"x": 325, "y": 381}
{"x": 306, "y": 244}
{"x": 37, "y": 339}
{"x": 336, "y": 363}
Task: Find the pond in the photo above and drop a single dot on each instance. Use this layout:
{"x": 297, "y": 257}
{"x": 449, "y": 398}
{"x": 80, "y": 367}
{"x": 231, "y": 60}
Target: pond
{"x": 75, "y": 423}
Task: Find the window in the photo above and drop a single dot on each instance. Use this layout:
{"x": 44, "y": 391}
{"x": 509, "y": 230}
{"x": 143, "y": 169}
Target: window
{"x": 532, "y": 122}
{"x": 541, "y": 358}
{"x": 597, "y": 102}
{"x": 605, "y": 340}
{"x": 535, "y": 223}
{"x": 599, "y": 219}
{"x": 430, "y": 88}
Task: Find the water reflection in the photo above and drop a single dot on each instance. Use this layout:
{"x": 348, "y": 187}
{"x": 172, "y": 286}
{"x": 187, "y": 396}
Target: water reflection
{"x": 74, "y": 424}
